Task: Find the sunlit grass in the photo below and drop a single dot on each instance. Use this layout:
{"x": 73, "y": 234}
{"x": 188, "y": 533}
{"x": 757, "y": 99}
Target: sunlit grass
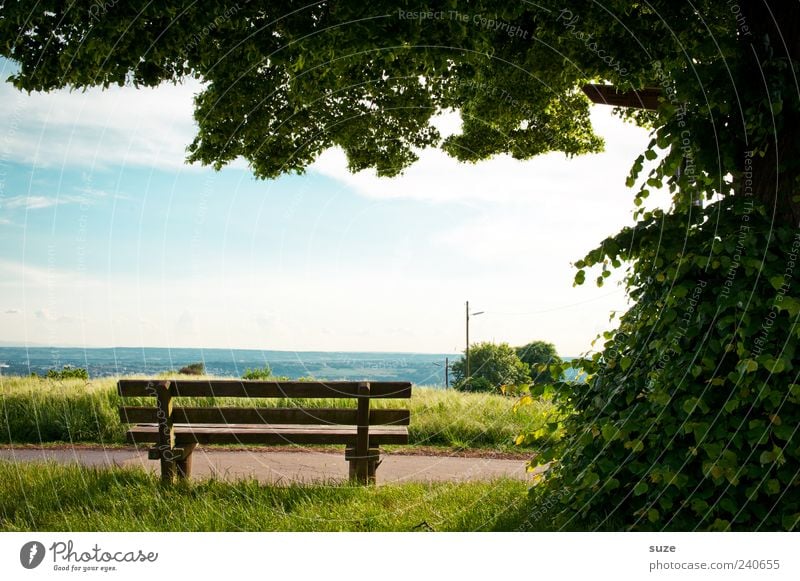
{"x": 38, "y": 411}
{"x": 47, "y": 496}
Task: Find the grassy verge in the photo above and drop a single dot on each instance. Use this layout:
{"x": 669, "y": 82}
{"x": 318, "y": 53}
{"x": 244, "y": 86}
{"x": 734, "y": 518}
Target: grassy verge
{"x": 39, "y": 410}
{"x": 73, "y": 498}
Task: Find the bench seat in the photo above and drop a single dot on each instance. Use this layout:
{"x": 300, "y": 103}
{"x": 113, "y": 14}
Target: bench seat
{"x": 175, "y": 430}
{"x": 268, "y": 434}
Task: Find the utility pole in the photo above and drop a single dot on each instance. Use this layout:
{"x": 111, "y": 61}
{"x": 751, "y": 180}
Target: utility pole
{"x": 467, "y": 350}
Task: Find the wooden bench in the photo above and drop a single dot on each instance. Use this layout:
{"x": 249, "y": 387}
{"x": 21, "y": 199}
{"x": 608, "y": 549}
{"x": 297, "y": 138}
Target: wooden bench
{"x": 175, "y": 431}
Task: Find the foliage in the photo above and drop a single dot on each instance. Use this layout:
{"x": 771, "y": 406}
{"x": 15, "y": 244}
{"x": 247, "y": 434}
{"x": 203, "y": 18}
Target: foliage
{"x": 539, "y": 356}
{"x": 492, "y": 366}
{"x": 258, "y": 373}
{"x": 67, "y": 372}
{"x": 38, "y": 411}
{"x": 685, "y": 419}
{"x": 697, "y": 431}
{"x": 75, "y": 498}
{"x": 193, "y": 369}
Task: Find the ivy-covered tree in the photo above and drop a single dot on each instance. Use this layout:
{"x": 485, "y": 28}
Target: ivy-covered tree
{"x": 688, "y": 418}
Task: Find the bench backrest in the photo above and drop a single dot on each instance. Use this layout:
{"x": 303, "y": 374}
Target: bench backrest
{"x": 165, "y": 390}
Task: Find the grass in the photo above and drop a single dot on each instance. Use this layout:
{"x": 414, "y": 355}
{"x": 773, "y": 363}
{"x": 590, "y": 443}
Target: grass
{"x": 40, "y": 410}
{"x": 72, "y": 498}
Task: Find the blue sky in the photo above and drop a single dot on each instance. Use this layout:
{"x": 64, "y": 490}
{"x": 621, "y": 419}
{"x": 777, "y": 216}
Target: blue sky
{"x": 107, "y": 238}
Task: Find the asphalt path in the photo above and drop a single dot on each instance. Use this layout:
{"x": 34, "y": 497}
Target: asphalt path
{"x": 286, "y": 467}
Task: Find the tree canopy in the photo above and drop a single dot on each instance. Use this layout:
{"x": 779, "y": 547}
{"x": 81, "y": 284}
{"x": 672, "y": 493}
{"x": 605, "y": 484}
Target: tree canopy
{"x": 536, "y": 354}
{"x": 493, "y": 367}
{"x": 688, "y": 416}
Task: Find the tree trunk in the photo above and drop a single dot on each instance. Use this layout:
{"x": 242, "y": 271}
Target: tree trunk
{"x": 775, "y": 175}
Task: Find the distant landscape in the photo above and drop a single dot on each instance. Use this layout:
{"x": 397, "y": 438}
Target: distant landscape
{"x": 418, "y": 368}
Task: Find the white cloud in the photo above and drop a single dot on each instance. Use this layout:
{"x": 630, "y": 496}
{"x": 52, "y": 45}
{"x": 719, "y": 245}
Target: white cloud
{"x": 119, "y": 126}
{"x": 38, "y": 202}
{"x": 31, "y": 202}
{"x": 28, "y": 202}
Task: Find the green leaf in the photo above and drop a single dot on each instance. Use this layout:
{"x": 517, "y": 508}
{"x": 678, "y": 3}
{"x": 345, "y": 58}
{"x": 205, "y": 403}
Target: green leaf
{"x": 640, "y": 488}
{"x": 635, "y": 445}
{"x": 728, "y": 505}
{"x": 609, "y": 432}
{"x": 591, "y": 479}
{"x": 773, "y": 486}
{"x": 774, "y": 365}
{"x": 790, "y": 305}
{"x": 776, "y": 282}
{"x": 748, "y": 366}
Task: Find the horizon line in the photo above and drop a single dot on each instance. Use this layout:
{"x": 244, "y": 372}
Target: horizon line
{"x": 44, "y": 346}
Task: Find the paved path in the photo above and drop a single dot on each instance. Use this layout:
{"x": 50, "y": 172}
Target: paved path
{"x": 286, "y": 467}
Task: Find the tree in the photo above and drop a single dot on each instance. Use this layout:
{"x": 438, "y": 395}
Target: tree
{"x": 492, "y": 367}
{"x": 538, "y": 353}
{"x": 685, "y": 419}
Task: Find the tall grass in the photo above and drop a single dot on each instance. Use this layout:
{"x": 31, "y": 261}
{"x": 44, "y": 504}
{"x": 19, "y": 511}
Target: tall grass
{"x": 73, "y": 498}
{"x": 36, "y": 410}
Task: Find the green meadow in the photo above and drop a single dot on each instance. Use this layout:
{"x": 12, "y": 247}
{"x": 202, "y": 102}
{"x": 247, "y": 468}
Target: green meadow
{"x": 73, "y": 498}
{"x": 40, "y": 411}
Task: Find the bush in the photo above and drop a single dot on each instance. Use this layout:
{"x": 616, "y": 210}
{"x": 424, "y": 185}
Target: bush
{"x": 193, "y": 369}
{"x": 492, "y": 367}
{"x": 68, "y": 372}
{"x": 258, "y": 373}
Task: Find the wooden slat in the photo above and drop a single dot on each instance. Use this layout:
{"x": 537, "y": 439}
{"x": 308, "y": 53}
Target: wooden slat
{"x": 264, "y": 415}
{"x": 646, "y": 98}
{"x": 265, "y": 389}
{"x": 244, "y": 434}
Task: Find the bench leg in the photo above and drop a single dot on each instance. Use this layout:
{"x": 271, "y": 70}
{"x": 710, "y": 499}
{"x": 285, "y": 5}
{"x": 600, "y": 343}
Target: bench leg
{"x": 363, "y": 470}
{"x": 184, "y": 465}
{"x": 168, "y": 471}
{"x": 372, "y": 468}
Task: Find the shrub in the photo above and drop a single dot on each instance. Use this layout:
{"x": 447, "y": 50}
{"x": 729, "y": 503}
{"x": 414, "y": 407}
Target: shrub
{"x": 193, "y": 369}
{"x": 68, "y": 372}
{"x": 258, "y": 373}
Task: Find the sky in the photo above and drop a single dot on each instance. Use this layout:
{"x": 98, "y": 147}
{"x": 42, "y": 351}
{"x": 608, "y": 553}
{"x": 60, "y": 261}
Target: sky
{"x": 108, "y": 238}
